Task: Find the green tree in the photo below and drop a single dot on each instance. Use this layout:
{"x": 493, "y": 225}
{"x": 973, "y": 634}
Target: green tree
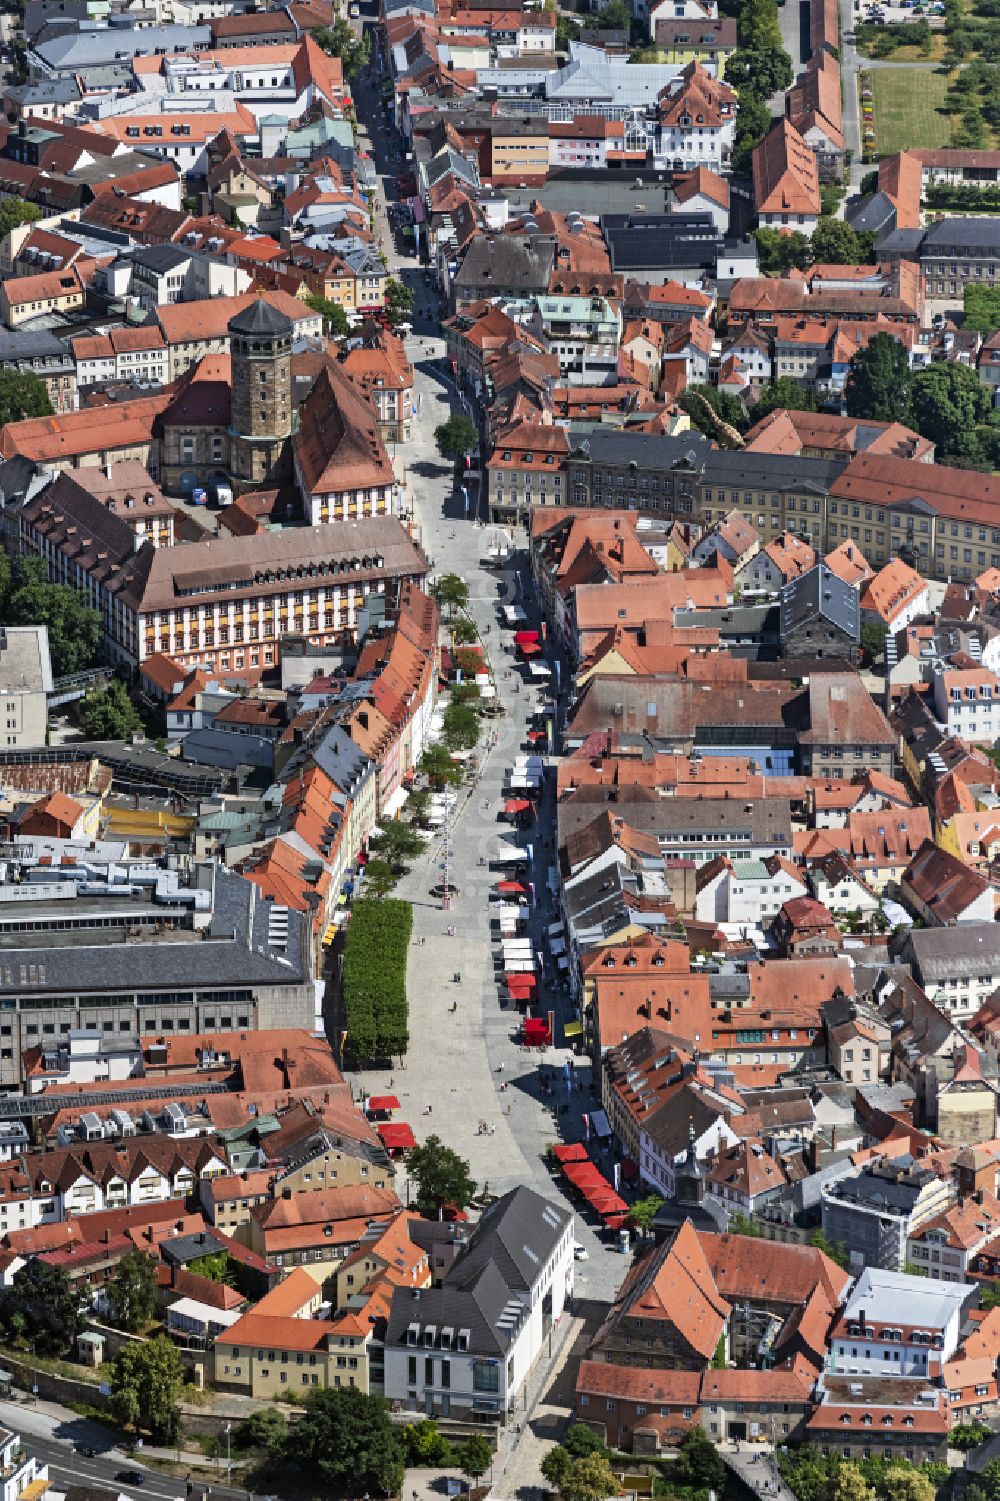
{"x": 333, "y": 315}
{"x": 849, "y": 1484}
{"x": 753, "y": 121}
{"x": 969, "y": 1435}
{"x": 567, "y": 30}
{"x": 339, "y": 41}
{"x": 556, "y": 1466}
{"x": 947, "y": 401}
{"x": 762, "y": 70}
{"x": 783, "y": 393}
{"x": 398, "y": 842}
{"x": 74, "y": 629}
{"x": 644, "y": 1211}
{"x": 879, "y": 381}
{"x": 742, "y": 1224}
{"x": 266, "y": 1429}
{"x": 456, "y": 437}
{"x": 589, "y": 1479}
{"x": 463, "y": 631}
{"x": 22, "y": 394}
{"x": 108, "y": 713}
{"x": 873, "y": 636}
{"x": 347, "y": 1442}
{"x": 398, "y": 300}
{"x": 903, "y": 1482}
{"x": 426, "y": 1445}
{"x": 580, "y": 1440}
{"x": 16, "y": 211}
{"x": 441, "y": 1177}
{"x": 644, "y": 55}
{"x": 834, "y": 243}
{"x": 989, "y": 1479}
{"x": 779, "y": 253}
{"x": 419, "y": 804}
{"x": 132, "y": 1291}
{"x": 380, "y": 878}
{"x": 450, "y": 592}
{"x": 699, "y": 1463}
{"x": 836, "y": 1252}
{"x": 438, "y": 767}
{"x": 982, "y": 309}
{"x": 614, "y": 17}
{"x": 724, "y": 405}
{"x": 146, "y": 1381}
{"x": 216, "y": 1266}
{"x": 49, "y": 1300}
{"x": 461, "y": 727}
{"x": 475, "y": 1456}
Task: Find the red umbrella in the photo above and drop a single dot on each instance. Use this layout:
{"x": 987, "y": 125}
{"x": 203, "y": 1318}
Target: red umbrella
{"x": 529, "y": 649}
{"x": 570, "y": 1151}
{"x": 511, "y": 888}
{"x": 517, "y": 805}
{"x": 525, "y": 638}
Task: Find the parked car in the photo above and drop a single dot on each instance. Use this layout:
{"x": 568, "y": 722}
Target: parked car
{"x": 130, "y": 1477}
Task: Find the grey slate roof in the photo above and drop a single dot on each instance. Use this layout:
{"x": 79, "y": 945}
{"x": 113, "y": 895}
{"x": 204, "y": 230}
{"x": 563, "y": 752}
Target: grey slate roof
{"x": 950, "y": 953}
{"x": 820, "y": 595}
{"x": 30, "y": 344}
{"x": 767, "y": 471}
{"x": 108, "y": 44}
{"x": 477, "y": 1307}
{"x": 640, "y": 242}
{"x": 517, "y": 1235}
{"x": 971, "y": 233}
{"x": 648, "y": 450}
{"x": 161, "y": 258}
{"x": 235, "y": 950}
{"x": 260, "y": 318}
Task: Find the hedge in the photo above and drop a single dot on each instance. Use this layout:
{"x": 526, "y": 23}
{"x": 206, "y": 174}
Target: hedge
{"x": 374, "y": 978}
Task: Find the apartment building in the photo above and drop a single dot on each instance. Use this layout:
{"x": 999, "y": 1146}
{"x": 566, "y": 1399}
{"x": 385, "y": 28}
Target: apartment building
{"x": 958, "y": 967}
{"x": 959, "y": 251}
{"x": 874, "y": 1212}
{"x": 967, "y": 702}
{"x": 46, "y": 357}
{"x": 526, "y": 468}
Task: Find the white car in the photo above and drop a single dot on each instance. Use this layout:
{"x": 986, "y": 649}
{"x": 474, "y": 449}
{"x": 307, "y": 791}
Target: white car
{"x": 580, "y": 1253}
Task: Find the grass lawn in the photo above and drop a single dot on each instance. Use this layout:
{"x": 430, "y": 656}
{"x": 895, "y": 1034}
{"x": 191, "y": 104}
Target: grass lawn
{"x": 909, "y": 109}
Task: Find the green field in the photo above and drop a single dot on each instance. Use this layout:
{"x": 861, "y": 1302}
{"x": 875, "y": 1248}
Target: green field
{"x": 909, "y": 109}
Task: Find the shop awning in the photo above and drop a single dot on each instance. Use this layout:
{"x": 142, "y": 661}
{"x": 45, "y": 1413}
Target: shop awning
{"x": 529, "y": 649}
{"x": 525, "y": 638}
{"x": 572, "y": 1029}
{"x": 537, "y": 737}
{"x": 570, "y": 1151}
{"x": 394, "y": 802}
{"x": 584, "y": 1176}
{"x": 397, "y": 1136}
{"x": 599, "y": 1121}
{"x": 515, "y": 805}
{"x": 383, "y": 1102}
{"x": 536, "y": 1031}
{"x": 511, "y": 888}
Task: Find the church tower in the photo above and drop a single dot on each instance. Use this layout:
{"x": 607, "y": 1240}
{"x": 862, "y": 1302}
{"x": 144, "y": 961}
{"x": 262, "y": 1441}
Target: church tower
{"x": 260, "y": 343}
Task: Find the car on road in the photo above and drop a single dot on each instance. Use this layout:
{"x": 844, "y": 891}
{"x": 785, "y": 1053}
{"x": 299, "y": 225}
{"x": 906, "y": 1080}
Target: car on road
{"x": 130, "y": 1477}
{"x": 86, "y": 1451}
{"x": 580, "y": 1253}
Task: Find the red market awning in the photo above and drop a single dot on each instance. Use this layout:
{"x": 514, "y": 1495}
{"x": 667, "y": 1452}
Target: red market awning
{"x": 525, "y": 638}
{"x": 516, "y": 805}
{"x": 614, "y": 1221}
{"x": 536, "y": 736}
{"x": 529, "y": 649}
{"x": 570, "y": 1151}
{"x": 383, "y": 1102}
{"x": 512, "y": 888}
{"x": 584, "y": 1176}
{"x": 536, "y": 1031}
{"x": 525, "y": 981}
{"x": 397, "y": 1136}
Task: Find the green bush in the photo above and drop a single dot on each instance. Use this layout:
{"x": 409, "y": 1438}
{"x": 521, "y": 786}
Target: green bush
{"x": 375, "y": 952}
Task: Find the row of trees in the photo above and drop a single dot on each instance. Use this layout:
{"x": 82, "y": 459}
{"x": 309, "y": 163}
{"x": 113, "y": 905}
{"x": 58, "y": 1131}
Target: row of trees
{"x": 579, "y": 1468}
{"x": 758, "y": 68}
{"x": 947, "y": 402}
{"x": 974, "y": 98}
{"x": 832, "y": 243}
{"x": 374, "y": 978}
{"x": 813, "y": 1476}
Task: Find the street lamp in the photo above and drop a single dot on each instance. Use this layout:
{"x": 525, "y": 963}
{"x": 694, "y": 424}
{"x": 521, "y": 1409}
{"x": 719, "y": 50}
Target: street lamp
{"x": 229, "y": 1462}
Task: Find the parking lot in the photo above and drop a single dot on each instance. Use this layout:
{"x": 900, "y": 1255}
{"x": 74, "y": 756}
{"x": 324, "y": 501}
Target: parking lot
{"x": 915, "y": 10}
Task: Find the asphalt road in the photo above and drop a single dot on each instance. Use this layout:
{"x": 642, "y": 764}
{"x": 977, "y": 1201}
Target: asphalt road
{"x": 54, "y": 1440}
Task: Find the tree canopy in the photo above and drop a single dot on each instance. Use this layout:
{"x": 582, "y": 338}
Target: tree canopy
{"x": 131, "y": 1291}
{"x": 947, "y": 401}
{"x": 74, "y": 628}
{"x": 17, "y": 211}
{"x": 441, "y": 1177}
{"x": 456, "y": 437}
{"x": 763, "y": 70}
{"x": 879, "y": 381}
{"x": 333, "y": 315}
{"x": 784, "y": 392}
{"x": 22, "y": 394}
{"x": 145, "y": 1384}
{"x": 108, "y": 713}
{"x": 450, "y": 591}
{"x": 346, "y": 1440}
{"x": 398, "y": 300}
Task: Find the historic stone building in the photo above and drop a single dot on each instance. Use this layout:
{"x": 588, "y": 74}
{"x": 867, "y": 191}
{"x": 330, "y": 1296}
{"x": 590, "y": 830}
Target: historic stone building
{"x": 262, "y": 409}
